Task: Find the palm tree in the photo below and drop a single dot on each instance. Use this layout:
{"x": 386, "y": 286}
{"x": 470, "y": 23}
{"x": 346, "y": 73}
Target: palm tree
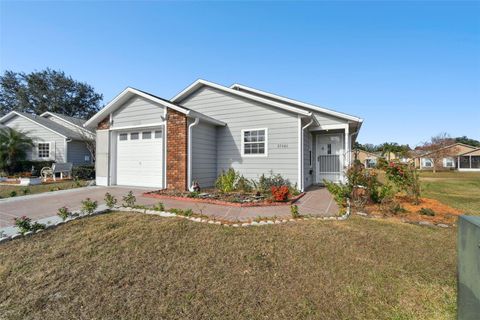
{"x": 13, "y": 147}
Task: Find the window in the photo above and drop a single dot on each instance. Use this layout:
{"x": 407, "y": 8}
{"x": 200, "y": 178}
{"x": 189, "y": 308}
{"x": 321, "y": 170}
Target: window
{"x": 329, "y": 148}
{"x": 158, "y": 134}
{"x": 310, "y": 158}
{"x": 254, "y": 142}
{"x": 134, "y": 136}
{"x": 146, "y": 135}
{"x": 43, "y": 150}
{"x": 427, "y": 163}
{"x": 448, "y": 163}
{"x": 123, "y": 136}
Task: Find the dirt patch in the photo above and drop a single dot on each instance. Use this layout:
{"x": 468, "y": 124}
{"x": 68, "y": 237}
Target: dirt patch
{"x": 443, "y": 214}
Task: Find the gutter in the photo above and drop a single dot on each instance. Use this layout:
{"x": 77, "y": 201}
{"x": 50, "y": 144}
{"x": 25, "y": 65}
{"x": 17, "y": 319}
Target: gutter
{"x": 302, "y": 162}
{"x": 189, "y": 156}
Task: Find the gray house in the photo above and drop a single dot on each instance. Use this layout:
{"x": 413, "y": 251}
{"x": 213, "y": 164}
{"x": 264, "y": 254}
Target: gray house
{"x": 144, "y": 140}
{"x": 56, "y": 137}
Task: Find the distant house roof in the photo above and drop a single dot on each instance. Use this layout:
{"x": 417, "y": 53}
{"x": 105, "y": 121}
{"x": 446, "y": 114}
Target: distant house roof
{"x": 423, "y": 153}
{"x": 46, "y": 123}
{"x": 474, "y": 152}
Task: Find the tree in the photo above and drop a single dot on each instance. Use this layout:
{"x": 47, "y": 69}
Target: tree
{"x": 13, "y": 147}
{"x": 439, "y": 148}
{"x": 47, "y": 90}
{"x": 466, "y": 140}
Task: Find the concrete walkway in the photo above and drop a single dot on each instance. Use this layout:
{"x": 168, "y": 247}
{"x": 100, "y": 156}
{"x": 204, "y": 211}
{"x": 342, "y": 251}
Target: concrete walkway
{"x": 317, "y": 202}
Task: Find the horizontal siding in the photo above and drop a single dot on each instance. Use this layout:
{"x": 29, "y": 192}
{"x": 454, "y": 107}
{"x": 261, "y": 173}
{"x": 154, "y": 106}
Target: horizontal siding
{"x": 137, "y": 111}
{"x": 204, "y": 154}
{"x": 325, "y": 119}
{"x": 77, "y": 150}
{"x": 39, "y": 134}
{"x": 240, "y": 113}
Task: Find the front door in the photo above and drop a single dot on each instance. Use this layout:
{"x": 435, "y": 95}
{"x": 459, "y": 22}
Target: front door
{"x": 329, "y": 157}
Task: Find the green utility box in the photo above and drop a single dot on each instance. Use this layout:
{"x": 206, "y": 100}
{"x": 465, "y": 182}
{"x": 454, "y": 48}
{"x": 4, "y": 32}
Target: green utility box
{"x": 468, "y": 268}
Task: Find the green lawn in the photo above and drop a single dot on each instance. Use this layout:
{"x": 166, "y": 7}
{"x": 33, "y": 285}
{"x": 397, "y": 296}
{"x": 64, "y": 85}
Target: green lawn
{"x": 133, "y": 266}
{"x": 457, "y": 189}
{"x": 6, "y": 190}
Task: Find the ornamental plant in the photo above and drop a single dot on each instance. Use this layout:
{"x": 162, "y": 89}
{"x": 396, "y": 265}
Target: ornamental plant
{"x": 63, "y": 213}
{"x": 23, "y": 224}
{"x": 110, "y": 200}
{"x": 89, "y": 206}
{"x": 129, "y": 200}
{"x": 280, "y": 193}
{"x": 405, "y": 178}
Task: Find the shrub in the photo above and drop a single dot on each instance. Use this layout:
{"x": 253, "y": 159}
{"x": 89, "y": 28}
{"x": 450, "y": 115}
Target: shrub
{"x": 159, "y": 207}
{"x": 294, "y": 211}
{"x": 37, "y": 226}
{"x": 244, "y": 185}
{"x": 341, "y": 192}
{"x": 265, "y": 184}
{"x": 426, "y": 212}
{"x": 25, "y": 191}
{"x": 226, "y": 182}
{"x": 280, "y": 193}
{"x": 64, "y": 213}
{"x": 193, "y": 194}
{"x": 89, "y": 206}
{"x": 13, "y": 193}
{"x": 84, "y": 172}
{"x": 110, "y": 200}
{"x": 129, "y": 200}
{"x": 405, "y": 178}
{"x": 23, "y": 224}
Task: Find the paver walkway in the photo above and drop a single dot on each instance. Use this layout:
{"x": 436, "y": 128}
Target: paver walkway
{"x": 317, "y": 201}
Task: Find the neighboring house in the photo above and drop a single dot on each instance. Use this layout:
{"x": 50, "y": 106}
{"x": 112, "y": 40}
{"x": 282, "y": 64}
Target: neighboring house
{"x": 469, "y": 161}
{"x": 56, "y": 137}
{"x": 368, "y": 159}
{"x": 144, "y": 140}
{"x": 423, "y": 160}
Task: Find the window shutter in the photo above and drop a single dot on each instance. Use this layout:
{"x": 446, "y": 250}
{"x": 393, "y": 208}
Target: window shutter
{"x": 52, "y": 150}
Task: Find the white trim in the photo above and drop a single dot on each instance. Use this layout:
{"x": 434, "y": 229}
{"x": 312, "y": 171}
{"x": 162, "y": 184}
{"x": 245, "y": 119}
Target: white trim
{"x": 327, "y": 127}
{"x": 65, "y": 146}
{"x": 139, "y": 126}
{"x": 165, "y": 149}
{"x": 302, "y": 162}
{"x": 200, "y": 82}
{"x": 130, "y": 92}
{"x": 11, "y": 113}
{"x": 101, "y": 181}
{"x": 299, "y": 103}
{"x": 189, "y": 155}
{"x": 242, "y": 144}
{"x": 299, "y": 150}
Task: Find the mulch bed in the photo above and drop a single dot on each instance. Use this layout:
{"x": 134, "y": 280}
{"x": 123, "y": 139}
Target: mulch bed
{"x": 444, "y": 214}
{"x": 232, "y": 199}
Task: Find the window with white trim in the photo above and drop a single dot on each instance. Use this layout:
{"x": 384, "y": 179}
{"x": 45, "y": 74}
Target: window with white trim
{"x": 146, "y": 135}
{"x": 158, "y": 134}
{"x": 254, "y": 142}
{"x": 448, "y": 162}
{"x": 123, "y": 136}
{"x": 43, "y": 150}
{"x": 427, "y": 162}
{"x": 134, "y": 136}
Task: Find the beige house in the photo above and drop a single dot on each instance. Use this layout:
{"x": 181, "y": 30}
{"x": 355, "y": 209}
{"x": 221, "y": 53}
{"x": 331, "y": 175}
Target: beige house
{"x": 368, "y": 159}
{"x": 424, "y": 160}
{"x": 469, "y": 161}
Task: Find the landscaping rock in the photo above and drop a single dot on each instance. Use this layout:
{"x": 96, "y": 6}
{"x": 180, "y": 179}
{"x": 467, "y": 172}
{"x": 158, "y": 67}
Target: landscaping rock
{"x": 246, "y": 224}
{"x": 442, "y": 225}
{"x": 211, "y": 221}
{"x": 425, "y": 223}
{"x": 39, "y": 230}
{"x": 4, "y": 239}
{"x": 270, "y": 222}
{"x": 235, "y": 225}
{"x": 277, "y": 221}
{"x": 255, "y": 223}
{"x": 363, "y": 214}
{"x": 16, "y": 235}
{"x": 28, "y": 233}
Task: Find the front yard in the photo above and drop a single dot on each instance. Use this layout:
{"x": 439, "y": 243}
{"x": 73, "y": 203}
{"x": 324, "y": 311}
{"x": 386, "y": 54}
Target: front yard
{"x": 7, "y": 191}
{"x": 460, "y": 190}
{"x": 124, "y": 266}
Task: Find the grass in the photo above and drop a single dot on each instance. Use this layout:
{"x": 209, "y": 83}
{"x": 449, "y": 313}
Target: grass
{"x": 6, "y": 190}
{"x": 131, "y": 266}
{"x": 456, "y": 189}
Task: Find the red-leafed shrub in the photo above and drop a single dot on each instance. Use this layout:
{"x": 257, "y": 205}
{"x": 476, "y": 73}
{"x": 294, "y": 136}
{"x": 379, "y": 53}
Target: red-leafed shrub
{"x": 280, "y": 193}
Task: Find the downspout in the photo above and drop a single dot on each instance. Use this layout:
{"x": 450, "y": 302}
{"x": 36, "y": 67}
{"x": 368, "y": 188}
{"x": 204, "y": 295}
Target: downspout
{"x": 189, "y": 156}
{"x": 302, "y": 162}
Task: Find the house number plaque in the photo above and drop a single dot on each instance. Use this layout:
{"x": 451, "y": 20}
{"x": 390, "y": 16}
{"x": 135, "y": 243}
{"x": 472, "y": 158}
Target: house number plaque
{"x": 282, "y": 146}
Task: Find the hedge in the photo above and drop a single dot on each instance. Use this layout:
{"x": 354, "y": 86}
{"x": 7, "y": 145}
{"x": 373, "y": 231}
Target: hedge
{"x": 84, "y": 172}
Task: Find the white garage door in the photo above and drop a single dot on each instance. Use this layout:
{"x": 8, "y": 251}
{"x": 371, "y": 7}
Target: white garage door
{"x": 140, "y": 158}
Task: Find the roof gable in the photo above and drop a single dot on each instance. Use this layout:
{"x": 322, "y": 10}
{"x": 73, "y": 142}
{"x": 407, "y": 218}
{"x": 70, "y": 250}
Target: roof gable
{"x": 129, "y": 92}
{"x": 275, "y": 97}
{"x": 200, "y": 83}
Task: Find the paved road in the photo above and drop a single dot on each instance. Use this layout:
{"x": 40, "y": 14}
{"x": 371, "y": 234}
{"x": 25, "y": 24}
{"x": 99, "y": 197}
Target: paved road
{"x": 46, "y": 204}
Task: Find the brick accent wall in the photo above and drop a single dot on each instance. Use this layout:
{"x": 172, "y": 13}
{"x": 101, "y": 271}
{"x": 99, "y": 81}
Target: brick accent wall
{"x": 104, "y": 124}
{"x": 177, "y": 142}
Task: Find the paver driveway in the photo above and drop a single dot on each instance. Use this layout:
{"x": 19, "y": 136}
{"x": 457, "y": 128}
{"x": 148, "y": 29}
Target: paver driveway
{"x": 317, "y": 201}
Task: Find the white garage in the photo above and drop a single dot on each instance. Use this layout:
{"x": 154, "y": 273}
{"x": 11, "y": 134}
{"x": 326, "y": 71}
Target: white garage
{"x": 140, "y": 158}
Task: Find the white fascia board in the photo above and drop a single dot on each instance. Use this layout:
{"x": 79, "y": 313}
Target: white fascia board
{"x": 123, "y": 97}
{"x": 194, "y": 114}
{"x": 14, "y": 113}
{"x": 299, "y": 103}
{"x": 47, "y": 113}
{"x": 197, "y": 84}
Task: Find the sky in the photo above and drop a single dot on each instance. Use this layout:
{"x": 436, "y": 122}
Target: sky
{"x": 410, "y": 69}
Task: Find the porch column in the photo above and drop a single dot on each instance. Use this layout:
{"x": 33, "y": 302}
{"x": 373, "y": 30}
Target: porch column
{"x": 347, "y": 148}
